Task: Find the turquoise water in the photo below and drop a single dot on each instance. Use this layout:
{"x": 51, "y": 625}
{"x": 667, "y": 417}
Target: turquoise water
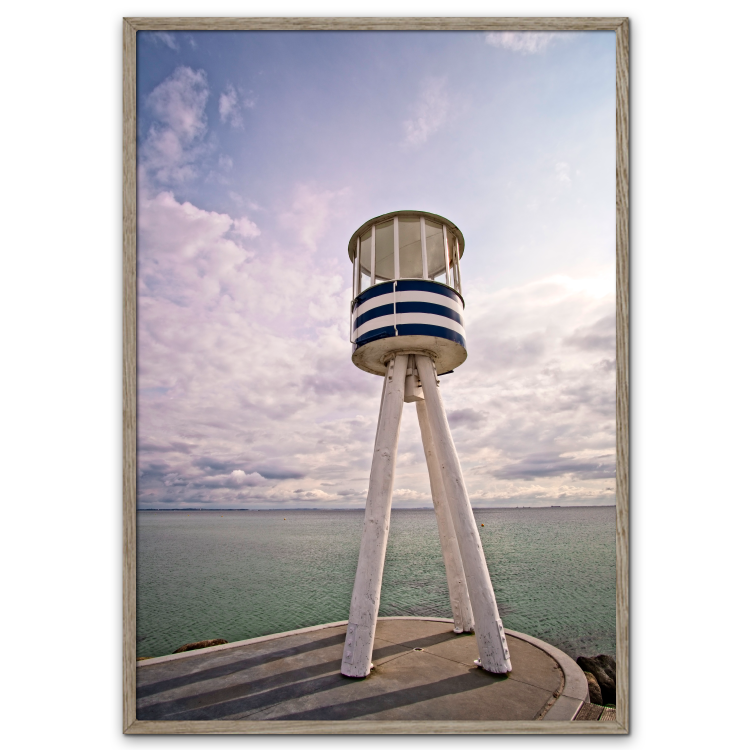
{"x": 244, "y": 574}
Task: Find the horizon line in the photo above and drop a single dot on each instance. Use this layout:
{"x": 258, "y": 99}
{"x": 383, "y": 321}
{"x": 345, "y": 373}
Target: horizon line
{"x": 481, "y": 507}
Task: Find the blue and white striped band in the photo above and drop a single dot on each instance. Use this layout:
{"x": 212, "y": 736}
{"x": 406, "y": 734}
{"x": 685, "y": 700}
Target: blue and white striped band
{"x": 408, "y": 307}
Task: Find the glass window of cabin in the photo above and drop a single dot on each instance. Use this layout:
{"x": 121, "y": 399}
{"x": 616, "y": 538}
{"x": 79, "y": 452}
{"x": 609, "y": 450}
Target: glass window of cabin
{"x": 456, "y": 270}
{"x": 365, "y": 258}
{"x": 384, "y": 251}
{"x": 409, "y": 248}
{"x": 355, "y": 273}
{"x": 450, "y": 275}
{"x": 435, "y": 249}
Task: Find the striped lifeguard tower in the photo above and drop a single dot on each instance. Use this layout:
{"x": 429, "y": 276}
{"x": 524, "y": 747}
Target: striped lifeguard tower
{"x": 407, "y": 326}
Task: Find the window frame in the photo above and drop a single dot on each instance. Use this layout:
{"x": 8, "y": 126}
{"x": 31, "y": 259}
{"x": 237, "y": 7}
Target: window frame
{"x": 451, "y": 252}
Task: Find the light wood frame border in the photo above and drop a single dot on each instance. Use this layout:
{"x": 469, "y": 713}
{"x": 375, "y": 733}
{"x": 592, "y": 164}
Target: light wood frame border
{"x": 130, "y": 27}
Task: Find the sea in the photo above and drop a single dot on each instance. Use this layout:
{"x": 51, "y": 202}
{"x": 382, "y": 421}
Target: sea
{"x": 242, "y": 574}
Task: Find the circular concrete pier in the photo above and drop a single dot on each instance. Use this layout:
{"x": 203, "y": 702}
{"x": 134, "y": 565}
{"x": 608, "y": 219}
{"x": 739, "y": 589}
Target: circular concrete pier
{"x": 423, "y": 671}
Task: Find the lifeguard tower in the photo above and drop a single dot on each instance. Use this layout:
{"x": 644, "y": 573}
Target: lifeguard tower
{"x": 407, "y": 326}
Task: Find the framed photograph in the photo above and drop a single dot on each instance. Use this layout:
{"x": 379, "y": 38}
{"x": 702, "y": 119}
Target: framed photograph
{"x": 375, "y": 375}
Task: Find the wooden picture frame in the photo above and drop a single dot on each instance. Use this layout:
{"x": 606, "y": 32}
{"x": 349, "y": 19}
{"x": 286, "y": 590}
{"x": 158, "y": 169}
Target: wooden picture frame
{"x": 130, "y": 28}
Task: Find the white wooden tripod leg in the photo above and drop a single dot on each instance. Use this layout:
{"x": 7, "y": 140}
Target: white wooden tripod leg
{"x": 363, "y": 612}
{"x": 463, "y": 619}
{"x": 491, "y": 642}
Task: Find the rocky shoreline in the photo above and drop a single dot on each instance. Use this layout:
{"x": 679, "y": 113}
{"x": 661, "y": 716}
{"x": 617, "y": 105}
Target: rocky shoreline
{"x": 601, "y": 674}
{"x": 192, "y": 647}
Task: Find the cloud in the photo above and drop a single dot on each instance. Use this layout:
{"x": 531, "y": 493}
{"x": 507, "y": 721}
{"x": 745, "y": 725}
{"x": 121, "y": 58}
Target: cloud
{"x": 173, "y": 447}
{"x": 524, "y": 42}
{"x": 537, "y": 394}
{"x": 430, "y": 112}
{"x": 240, "y": 201}
{"x": 535, "y": 495}
{"x": 247, "y": 393}
{"x": 465, "y": 417}
{"x": 229, "y": 107}
{"x": 253, "y": 401}
{"x": 175, "y": 139}
{"x": 311, "y": 211}
{"x": 412, "y": 495}
{"x": 239, "y": 478}
{"x": 541, "y": 465}
{"x": 167, "y": 39}
{"x": 280, "y": 474}
{"x": 245, "y": 228}
{"x": 597, "y": 337}
{"x": 179, "y": 103}
{"x": 231, "y": 104}
{"x": 228, "y": 360}
{"x": 214, "y": 464}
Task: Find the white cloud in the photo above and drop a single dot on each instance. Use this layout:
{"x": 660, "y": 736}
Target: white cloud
{"x": 247, "y": 393}
{"x": 245, "y": 398}
{"x": 175, "y": 139}
{"x": 430, "y": 112}
{"x": 231, "y": 104}
{"x": 310, "y": 213}
{"x": 594, "y": 287}
{"x": 179, "y": 102}
{"x": 406, "y": 494}
{"x": 246, "y": 228}
{"x": 536, "y": 395}
{"x": 229, "y": 107}
{"x": 525, "y": 42}
{"x": 239, "y": 477}
{"x": 244, "y": 202}
{"x": 168, "y": 39}
{"x": 248, "y": 396}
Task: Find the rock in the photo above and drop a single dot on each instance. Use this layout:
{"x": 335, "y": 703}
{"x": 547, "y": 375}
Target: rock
{"x": 595, "y": 693}
{"x": 199, "y": 644}
{"x": 604, "y": 669}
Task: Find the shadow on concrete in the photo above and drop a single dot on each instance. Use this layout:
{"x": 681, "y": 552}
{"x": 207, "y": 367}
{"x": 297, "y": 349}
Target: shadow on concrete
{"x": 256, "y": 694}
{"x": 396, "y": 699}
{"x": 248, "y": 696}
{"x": 241, "y": 701}
{"x": 223, "y": 670}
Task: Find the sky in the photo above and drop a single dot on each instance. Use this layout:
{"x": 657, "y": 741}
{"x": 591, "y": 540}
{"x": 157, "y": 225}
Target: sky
{"x": 260, "y": 153}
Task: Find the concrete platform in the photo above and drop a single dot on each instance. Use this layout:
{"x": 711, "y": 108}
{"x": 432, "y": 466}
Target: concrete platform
{"x": 423, "y": 671}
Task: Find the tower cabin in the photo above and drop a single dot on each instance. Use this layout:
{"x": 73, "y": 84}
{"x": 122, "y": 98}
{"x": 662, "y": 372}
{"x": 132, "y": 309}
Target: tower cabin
{"x": 407, "y": 290}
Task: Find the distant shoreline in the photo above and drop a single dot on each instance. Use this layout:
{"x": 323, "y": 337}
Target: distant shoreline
{"x": 349, "y": 510}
